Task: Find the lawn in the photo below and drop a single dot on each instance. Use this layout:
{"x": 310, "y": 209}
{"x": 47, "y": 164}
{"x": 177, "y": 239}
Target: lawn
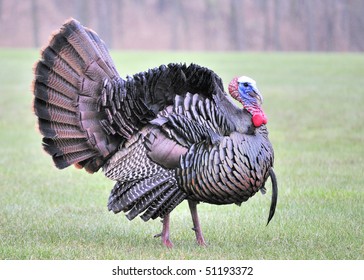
{"x": 314, "y": 103}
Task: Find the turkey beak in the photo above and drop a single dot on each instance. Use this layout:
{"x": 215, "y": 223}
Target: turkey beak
{"x": 258, "y": 95}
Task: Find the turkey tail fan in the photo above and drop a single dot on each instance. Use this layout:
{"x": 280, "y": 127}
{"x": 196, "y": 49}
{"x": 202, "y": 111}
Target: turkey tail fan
{"x": 274, "y": 194}
{"x": 69, "y": 79}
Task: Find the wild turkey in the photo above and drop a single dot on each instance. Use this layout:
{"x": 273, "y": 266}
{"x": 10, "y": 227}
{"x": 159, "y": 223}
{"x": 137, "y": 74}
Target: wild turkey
{"x": 165, "y": 135}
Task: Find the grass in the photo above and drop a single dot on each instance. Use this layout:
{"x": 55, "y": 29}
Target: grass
{"x": 315, "y": 107}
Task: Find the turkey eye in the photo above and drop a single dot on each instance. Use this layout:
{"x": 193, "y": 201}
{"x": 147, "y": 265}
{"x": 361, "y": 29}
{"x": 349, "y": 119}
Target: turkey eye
{"x": 246, "y": 84}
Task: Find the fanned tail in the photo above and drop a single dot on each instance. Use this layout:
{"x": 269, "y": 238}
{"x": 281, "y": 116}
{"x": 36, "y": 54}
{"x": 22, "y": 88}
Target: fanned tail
{"x": 69, "y": 80}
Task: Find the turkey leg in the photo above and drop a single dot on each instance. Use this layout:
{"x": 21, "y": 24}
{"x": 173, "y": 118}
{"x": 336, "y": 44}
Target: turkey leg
{"x": 165, "y": 233}
{"x": 196, "y": 223}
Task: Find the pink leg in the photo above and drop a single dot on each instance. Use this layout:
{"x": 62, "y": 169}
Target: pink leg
{"x": 165, "y": 233}
{"x": 196, "y": 223}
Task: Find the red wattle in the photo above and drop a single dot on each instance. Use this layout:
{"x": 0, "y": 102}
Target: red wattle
{"x": 259, "y": 119}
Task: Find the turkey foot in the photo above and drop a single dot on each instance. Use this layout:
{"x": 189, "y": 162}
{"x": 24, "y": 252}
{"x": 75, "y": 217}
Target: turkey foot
{"x": 165, "y": 233}
{"x": 196, "y": 223}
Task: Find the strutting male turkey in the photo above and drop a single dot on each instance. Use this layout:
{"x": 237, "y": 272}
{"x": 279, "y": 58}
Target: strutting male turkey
{"x": 165, "y": 135}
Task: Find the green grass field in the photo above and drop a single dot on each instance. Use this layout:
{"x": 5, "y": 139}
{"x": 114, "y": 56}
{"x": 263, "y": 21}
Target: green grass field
{"x": 316, "y": 121}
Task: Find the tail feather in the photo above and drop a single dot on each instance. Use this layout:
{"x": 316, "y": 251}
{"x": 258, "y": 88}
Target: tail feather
{"x": 59, "y": 130}
{"x": 52, "y": 97}
{"x": 65, "y": 146}
{"x": 55, "y": 114}
{"x": 64, "y": 150}
{"x": 90, "y": 49}
{"x": 64, "y": 53}
{"x": 68, "y": 84}
{"x": 52, "y": 80}
{"x": 59, "y": 65}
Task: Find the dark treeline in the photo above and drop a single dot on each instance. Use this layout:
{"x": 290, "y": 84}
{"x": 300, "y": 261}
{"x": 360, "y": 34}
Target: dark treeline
{"x": 254, "y": 25}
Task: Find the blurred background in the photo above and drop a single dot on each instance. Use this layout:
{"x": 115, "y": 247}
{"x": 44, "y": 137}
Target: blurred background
{"x": 307, "y": 57}
{"x": 216, "y": 25}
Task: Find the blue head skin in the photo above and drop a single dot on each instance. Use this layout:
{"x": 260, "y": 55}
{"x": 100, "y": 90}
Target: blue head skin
{"x": 244, "y": 89}
{"x": 249, "y": 92}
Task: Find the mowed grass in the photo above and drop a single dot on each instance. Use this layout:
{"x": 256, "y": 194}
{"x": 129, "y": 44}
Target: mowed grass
{"x": 315, "y": 107}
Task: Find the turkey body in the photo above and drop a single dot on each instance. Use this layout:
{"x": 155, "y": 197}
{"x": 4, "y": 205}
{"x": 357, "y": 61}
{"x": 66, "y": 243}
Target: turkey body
{"x": 165, "y": 135}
